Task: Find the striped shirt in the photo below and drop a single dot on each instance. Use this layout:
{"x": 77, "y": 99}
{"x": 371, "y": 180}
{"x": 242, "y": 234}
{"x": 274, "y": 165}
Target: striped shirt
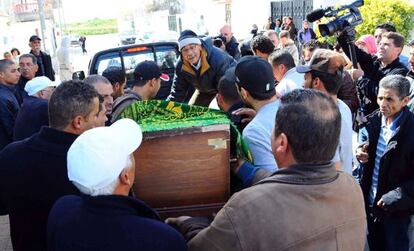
{"x": 386, "y": 133}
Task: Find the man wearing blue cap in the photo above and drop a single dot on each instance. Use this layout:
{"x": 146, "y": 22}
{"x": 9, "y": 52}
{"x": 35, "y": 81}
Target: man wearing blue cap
{"x": 198, "y": 70}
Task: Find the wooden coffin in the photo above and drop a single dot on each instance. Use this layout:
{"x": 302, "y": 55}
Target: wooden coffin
{"x": 184, "y": 171}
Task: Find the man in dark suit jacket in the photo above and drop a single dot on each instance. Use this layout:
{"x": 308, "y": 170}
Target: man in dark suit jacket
{"x": 104, "y": 217}
{"x": 43, "y": 60}
{"x": 33, "y": 173}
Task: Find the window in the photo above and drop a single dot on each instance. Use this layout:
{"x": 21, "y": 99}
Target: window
{"x": 107, "y": 60}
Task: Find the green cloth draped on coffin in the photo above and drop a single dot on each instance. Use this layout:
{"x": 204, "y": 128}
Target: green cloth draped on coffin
{"x": 160, "y": 115}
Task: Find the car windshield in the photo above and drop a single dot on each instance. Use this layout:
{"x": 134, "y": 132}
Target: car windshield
{"x": 127, "y": 33}
{"x": 165, "y": 56}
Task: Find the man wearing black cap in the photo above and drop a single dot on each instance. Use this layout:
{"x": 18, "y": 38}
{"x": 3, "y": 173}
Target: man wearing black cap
{"x": 43, "y": 60}
{"x": 199, "y": 68}
{"x": 147, "y": 76}
{"x": 325, "y": 72}
{"x": 228, "y": 98}
{"x": 255, "y": 82}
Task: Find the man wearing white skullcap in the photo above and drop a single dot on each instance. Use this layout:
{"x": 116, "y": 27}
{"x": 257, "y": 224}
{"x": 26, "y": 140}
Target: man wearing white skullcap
{"x": 33, "y": 113}
{"x": 102, "y": 167}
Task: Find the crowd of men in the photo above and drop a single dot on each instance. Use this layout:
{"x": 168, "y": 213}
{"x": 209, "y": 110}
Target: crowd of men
{"x": 67, "y": 164}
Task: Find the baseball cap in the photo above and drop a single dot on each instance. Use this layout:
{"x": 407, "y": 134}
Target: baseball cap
{"x": 37, "y": 84}
{"x": 97, "y": 156}
{"x": 324, "y": 60}
{"x": 255, "y": 75}
{"x": 148, "y": 70}
{"x": 34, "y": 37}
{"x": 229, "y": 76}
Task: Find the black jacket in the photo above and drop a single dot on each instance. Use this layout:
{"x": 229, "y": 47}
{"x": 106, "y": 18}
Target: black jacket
{"x": 31, "y": 117}
{"x": 232, "y": 48}
{"x": 396, "y": 172}
{"x": 368, "y": 84}
{"x": 410, "y": 77}
{"x": 108, "y": 223}
{"x": 9, "y": 107}
{"x": 33, "y": 175}
{"x": 206, "y": 79}
{"x": 47, "y": 66}
{"x": 19, "y": 92}
{"x": 293, "y": 31}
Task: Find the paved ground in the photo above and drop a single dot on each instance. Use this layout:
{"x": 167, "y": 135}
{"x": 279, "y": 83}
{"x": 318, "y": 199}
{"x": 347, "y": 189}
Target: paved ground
{"x": 5, "y": 243}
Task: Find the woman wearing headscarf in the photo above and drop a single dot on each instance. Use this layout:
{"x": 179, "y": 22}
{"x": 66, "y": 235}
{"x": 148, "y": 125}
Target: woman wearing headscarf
{"x": 367, "y": 44}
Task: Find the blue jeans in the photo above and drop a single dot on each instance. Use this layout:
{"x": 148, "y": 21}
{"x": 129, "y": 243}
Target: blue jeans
{"x": 388, "y": 234}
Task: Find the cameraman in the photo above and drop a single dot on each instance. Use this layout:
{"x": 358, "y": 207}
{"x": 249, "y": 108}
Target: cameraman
{"x": 376, "y": 67}
{"x": 232, "y": 46}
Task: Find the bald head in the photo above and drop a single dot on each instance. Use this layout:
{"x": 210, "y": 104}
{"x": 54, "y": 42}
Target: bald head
{"x": 226, "y": 32}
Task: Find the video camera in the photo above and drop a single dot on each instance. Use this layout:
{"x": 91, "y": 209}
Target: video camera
{"x": 339, "y": 23}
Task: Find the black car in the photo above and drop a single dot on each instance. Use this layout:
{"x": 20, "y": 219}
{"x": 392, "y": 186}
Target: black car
{"x": 165, "y": 54}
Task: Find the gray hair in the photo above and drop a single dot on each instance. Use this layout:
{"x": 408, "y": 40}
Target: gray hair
{"x": 282, "y": 57}
{"x": 95, "y": 78}
{"x": 28, "y": 55}
{"x": 398, "y": 83}
{"x": 268, "y": 33}
{"x": 109, "y": 189}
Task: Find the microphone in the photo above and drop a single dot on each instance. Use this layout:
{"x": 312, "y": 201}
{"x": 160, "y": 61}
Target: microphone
{"x": 315, "y": 15}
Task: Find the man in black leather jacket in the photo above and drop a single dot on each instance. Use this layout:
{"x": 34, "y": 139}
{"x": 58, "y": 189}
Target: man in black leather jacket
{"x": 232, "y": 46}
{"x": 385, "y": 63}
{"x": 386, "y": 155}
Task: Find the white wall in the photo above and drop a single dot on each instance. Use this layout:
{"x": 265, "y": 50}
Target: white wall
{"x": 246, "y": 13}
{"x": 4, "y": 36}
{"x": 213, "y": 13}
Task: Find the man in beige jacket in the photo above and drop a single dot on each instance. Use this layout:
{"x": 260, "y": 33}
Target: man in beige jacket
{"x": 305, "y": 205}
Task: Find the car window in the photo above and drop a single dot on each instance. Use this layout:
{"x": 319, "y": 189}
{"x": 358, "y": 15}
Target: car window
{"x": 133, "y": 56}
{"x": 107, "y": 60}
{"x": 164, "y": 54}
{"x": 131, "y": 61}
{"x": 166, "y": 58}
